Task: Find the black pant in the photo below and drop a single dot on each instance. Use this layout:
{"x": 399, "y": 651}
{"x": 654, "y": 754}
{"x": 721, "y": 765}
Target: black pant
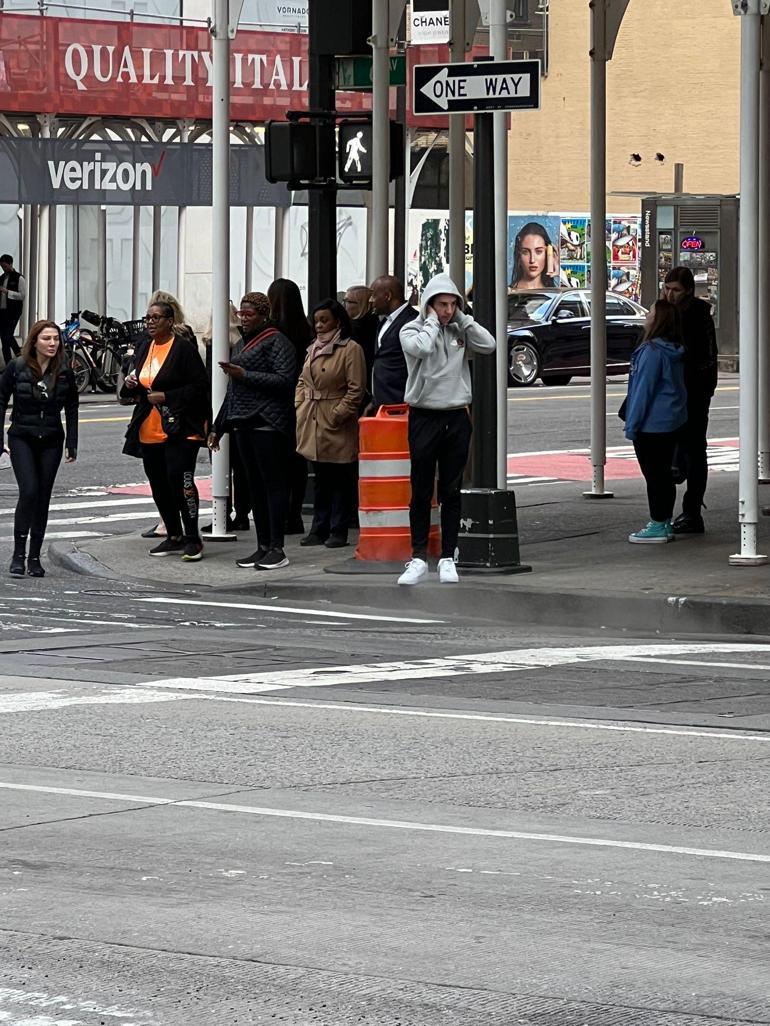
{"x": 265, "y": 456}
{"x": 655, "y": 451}
{"x": 335, "y": 498}
{"x": 241, "y": 495}
{"x": 297, "y": 487}
{"x": 437, "y": 438}
{"x": 35, "y": 464}
{"x": 170, "y": 469}
{"x": 693, "y": 441}
{"x": 7, "y": 339}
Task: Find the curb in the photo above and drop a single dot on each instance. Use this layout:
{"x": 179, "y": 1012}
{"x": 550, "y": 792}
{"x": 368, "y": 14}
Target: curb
{"x": 481, "y": 599}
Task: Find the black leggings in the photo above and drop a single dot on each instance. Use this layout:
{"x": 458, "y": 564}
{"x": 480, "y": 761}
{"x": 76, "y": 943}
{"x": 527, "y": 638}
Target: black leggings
{"x": 655, "y": 452}
{"x": 170, "y": 469}
{"x": 35, "y": 464}
{"x": 266, "y": 456}
{"x": 7, "y": 337}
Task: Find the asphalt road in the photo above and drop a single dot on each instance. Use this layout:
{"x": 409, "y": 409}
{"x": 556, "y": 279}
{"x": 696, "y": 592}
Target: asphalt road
{"x": 217, "y": 811}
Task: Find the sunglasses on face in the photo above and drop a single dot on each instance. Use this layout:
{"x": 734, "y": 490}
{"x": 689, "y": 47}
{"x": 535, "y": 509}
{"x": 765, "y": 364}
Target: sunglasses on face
{"x": 156, "y": 317}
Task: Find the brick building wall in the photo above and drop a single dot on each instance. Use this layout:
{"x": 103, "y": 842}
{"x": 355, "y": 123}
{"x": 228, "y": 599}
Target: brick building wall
{"x": 673, "y": 87}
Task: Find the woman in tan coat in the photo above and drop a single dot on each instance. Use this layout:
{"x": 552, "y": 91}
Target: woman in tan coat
{"x": 328, "y": 399}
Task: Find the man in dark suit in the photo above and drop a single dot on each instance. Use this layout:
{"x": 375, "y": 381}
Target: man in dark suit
{"x": 389, "y": 372}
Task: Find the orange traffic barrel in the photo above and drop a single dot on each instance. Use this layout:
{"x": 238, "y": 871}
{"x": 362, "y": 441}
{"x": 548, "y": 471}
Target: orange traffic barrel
{"x": 384, "y": 488}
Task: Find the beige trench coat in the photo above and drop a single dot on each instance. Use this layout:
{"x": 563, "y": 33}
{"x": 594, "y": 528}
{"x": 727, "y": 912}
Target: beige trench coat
{"x": 328, "y": 399}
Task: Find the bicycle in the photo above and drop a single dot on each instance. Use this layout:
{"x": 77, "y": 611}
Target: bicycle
{"x": 95, "y": 357}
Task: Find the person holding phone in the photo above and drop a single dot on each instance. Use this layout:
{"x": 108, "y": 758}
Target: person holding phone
{"x": 169, "y": 386}
{"x": 41, "y": 386}
{"x": 259, "y": 411}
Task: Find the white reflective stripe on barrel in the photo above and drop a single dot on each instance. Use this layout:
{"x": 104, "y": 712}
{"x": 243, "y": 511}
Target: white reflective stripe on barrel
{"x": 370, "y": 518}
{"x": 384, "y": 468}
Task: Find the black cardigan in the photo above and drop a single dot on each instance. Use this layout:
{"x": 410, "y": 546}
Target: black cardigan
{"x": 33, "y": 417}
{"x": 183, "y": 379}
{"x": 266, "y": 394}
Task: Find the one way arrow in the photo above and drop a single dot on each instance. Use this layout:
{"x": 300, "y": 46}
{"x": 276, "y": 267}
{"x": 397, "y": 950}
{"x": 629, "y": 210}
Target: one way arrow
{"x": 443, "y": 89}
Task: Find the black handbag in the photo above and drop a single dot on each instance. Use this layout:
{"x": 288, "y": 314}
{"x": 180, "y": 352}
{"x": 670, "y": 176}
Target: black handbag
{"x": 170, "y": 421}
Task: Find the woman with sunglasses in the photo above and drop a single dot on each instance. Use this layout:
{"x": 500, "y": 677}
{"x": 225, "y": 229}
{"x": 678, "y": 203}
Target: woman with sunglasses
{"x": 41, "y": 386}
{"x": 169, "y": 385}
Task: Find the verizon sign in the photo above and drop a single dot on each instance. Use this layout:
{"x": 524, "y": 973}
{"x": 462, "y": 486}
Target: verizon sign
{"x": 130, "y": 69}
{"x": 128, "y": 174}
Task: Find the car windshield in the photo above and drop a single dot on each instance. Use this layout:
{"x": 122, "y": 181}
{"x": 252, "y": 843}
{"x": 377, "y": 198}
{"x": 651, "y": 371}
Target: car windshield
{"x": 525, "y": 307}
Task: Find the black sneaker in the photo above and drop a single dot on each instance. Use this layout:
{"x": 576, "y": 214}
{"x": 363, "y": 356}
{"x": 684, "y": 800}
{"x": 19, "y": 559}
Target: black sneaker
{"x": 239, "y": 525}
{"x": 312, "y": 539}
{"x": 34, "y": 567}
{"x": 686, "y": 524}
{"x": 193, "y": 551}
{"x": 249, "y": 562}
{"x": 18, "y": 565}
{"x": 335, "y": 541}
{"x": 274, "y": 560}
{"x": 168, "y": 547}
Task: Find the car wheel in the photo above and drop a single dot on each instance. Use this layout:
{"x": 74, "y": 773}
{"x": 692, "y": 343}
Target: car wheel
{"x": 557, "y": 379}
{"x": 524, "y": 364}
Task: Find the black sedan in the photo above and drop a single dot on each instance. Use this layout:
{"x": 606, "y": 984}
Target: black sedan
{"x": 549, "y": 335}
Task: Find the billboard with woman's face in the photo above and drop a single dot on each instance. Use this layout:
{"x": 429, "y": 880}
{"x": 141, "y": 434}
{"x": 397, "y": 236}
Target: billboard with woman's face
{"x": 533, "y": 252}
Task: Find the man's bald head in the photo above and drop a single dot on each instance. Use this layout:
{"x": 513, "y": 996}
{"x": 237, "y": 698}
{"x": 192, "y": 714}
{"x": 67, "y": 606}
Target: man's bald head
{"x": 387, "y": 295}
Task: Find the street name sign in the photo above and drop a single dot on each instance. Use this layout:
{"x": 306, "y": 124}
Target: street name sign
{"x": 356, "y": 72}
{"x": 476, "y": 88}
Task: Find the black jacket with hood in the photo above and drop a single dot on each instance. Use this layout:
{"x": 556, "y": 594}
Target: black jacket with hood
{"x": 34, "y": 416}
{"x": 184, "y": 380}
{"x": 701, "y": 361}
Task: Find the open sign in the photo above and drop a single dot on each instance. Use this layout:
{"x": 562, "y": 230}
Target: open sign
{"x": 692, "y": 243}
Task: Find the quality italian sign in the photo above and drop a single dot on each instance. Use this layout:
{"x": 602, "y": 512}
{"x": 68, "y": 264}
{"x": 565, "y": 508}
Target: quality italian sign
{"x": 476, "y": 88}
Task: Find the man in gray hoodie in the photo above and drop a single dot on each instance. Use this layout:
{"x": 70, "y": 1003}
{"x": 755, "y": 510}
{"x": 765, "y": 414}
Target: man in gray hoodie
{"x": 438, "y": 346}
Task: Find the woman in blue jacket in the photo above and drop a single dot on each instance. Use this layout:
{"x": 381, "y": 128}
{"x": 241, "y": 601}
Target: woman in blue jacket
{"x": 655, "y": 411}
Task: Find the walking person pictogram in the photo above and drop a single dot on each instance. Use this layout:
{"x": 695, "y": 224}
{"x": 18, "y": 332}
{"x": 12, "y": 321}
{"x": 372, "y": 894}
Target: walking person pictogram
{"x": 354, "y": 150}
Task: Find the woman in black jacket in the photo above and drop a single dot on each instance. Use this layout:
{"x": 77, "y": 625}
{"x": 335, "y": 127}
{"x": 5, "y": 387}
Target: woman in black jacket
{"x": 259, "y": 410}
{"x": 168, "y": 428}
{"x": 288, "y": 315}
{"x": 41, "y": 386}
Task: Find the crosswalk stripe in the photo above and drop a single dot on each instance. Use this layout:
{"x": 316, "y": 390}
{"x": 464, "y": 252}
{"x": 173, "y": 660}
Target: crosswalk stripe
{"x": 61, "y": 535}
{"x": 57, "y": 507}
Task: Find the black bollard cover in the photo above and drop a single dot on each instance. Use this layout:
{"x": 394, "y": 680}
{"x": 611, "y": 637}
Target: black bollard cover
{"x": 489, "y": 532}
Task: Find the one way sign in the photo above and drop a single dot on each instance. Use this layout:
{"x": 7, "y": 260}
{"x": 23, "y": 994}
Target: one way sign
{"x": 474, "y": 88}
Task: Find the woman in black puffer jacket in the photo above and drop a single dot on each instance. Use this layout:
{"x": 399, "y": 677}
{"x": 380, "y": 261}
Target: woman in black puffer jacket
{"x": 259, "y": 410}
{"x": 41, "y": 386}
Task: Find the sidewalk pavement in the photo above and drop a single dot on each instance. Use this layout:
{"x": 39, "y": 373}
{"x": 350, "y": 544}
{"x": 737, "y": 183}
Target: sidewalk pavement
{"x": 584, "y": 571}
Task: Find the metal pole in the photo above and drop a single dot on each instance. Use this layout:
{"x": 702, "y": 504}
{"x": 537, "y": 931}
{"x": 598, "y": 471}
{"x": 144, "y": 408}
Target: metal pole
{"x": 156, "y": 244}
{"x": 679, "y": 178}
{"x": 279, "y": 241}
{"x": 598, "y": 253}
{"x": 457, "y": 155}
{"x": 52, "y": 262}
{"x": 135, "y": 247}
{"x": 101, "y": 267}
{"x": 29, "y": 315}
{"x": 400, "y": 212}
{"x": 322, "y": 203}
{"x": 748, "y": 302}
{"x": 498, "y": 48}
{"x": 249, "y": 254}
{"x": 484, "y": 466}
{"x": 181, "y": 233}
{"x": 764, "y": 265}
{"x": 45, "y": 266}
{"x": 379, "y": 237}
{"x": 220, "y": 279}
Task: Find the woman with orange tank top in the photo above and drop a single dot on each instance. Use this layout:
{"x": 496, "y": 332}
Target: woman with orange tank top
{"x": 169, "y": 385}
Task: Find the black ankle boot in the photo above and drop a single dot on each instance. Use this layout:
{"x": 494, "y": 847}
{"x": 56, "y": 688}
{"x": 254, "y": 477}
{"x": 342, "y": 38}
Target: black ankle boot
{"x": 34, "y": 567}
{"x": 19, "y": 558}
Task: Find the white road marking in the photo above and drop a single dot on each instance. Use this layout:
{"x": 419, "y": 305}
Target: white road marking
{"x": 61, "y": 535}
{"x": 699, "y": 662}
{"x": 40, "y": 701}
{"x": 324, "y": 614}
{"x": 527, "y": 721}
{"x": 394, "y": 824}
{"x": 427, "y": 669}
{"x": 107, "y": 501}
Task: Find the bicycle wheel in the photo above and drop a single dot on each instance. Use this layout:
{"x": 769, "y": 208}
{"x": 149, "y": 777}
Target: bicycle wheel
{"x": 108, "y": 364}
{"x": 80, "y": 367}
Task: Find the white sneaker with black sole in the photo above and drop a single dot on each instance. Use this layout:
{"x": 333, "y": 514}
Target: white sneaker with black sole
{"x": 447, "y": 571}
{"x": 416, "y": 571}
{"x": 275, "y": 559}
{"x": 249, "y": 562}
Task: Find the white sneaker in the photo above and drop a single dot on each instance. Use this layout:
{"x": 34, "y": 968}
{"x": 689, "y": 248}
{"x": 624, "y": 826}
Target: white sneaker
{"x": 416, "y": 570}
{"x": 447, "y": 571}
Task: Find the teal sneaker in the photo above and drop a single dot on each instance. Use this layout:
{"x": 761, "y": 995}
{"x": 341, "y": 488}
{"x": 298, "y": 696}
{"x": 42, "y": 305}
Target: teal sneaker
{"x": 654, "y": 533}
{"x": 670, "y": 533}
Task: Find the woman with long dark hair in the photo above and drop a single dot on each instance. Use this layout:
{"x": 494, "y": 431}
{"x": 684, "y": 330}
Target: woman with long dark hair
{"x": 535, "y": 259}
{"x": 654, "y": 411}
{"x": 259, "y": 412}
{"x": 328, "y": 398}
{"x": 41, "y": 386}
{"x": 287, "y": 313}
{"x": 169, "y": 385}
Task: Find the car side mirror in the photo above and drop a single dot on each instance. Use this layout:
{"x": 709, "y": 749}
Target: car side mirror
{"x": 564, "y": 315}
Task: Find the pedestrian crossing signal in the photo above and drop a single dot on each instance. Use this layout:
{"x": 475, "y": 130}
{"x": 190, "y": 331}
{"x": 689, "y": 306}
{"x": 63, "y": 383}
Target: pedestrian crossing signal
{"x": 355, "y": 152}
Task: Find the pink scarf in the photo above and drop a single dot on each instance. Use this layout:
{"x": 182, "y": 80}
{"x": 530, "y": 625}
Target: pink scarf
{"x": 324, "y": 343}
